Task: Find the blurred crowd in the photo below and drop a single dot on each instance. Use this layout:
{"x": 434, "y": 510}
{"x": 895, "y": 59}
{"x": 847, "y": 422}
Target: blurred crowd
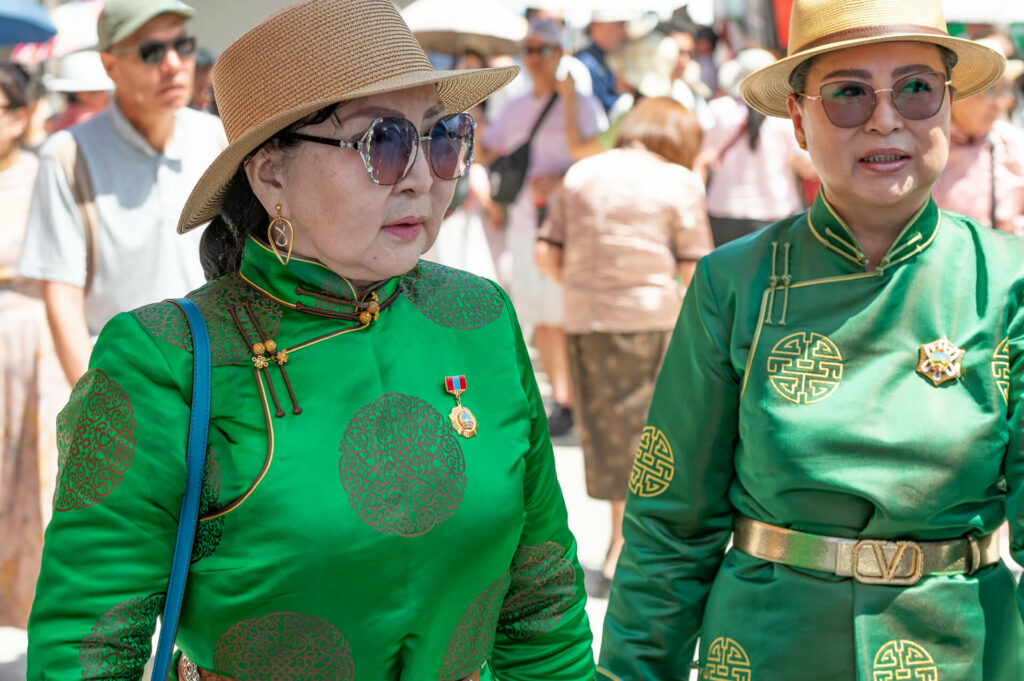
{"x": 640, "y": 157}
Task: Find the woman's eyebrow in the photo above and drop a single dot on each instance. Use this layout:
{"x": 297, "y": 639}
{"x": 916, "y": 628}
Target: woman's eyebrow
{"x": 911, "y": 68}
{"x": 849, "y": 73}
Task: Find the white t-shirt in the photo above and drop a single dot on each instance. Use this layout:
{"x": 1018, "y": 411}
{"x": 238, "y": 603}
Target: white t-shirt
{"x": 139, "y": 196}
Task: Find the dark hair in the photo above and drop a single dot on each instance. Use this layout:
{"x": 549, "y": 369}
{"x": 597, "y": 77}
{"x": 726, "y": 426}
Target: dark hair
{"x": 798, "y": 77}
{"x": 755, "y": 119}
{"x": 241, "y": 213}
{"x": 17, "y": 85}
{"x": 663, "y": 126}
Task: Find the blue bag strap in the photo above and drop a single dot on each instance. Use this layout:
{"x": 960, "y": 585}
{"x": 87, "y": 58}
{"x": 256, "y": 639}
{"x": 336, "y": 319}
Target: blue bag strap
{"x": 195, "y": 462}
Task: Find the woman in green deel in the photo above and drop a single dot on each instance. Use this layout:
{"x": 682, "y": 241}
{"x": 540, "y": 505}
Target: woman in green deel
{"x": 380, "y": 500}
{"x": 843, "y": 397}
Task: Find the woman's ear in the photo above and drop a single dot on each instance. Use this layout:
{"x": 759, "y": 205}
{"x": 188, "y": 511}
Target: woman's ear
{"x": 796, "y": 114}
{"x": 264, "y": 171}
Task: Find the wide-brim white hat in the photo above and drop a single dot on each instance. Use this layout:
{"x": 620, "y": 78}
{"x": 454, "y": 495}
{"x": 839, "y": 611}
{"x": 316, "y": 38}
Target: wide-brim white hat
{"x": 80, "y": 72}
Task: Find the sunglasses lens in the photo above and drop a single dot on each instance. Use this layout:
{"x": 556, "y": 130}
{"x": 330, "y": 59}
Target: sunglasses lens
{"x": 451, "y": 145}
{"x": 919, "y": 96}
{"x": 152, "y": 53}
{"x": 185, "y": 47}
{"x": 390, "y": 149}
{"x": 847, "y": 103}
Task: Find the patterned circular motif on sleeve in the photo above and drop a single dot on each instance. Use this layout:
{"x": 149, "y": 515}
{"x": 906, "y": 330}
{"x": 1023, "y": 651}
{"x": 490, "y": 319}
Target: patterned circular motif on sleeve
{"x": 805, "y": 368}
{"x": 402, "y": 466}
{"x": 120, "y": 641}
{"x": 654, "y": 465}
{"x": 727, "y": 661}
{"x": 284, "y": 646}
{"x": 165, "y": 320}
{"x": 96, "y": 440}
{"x": 471, "y": 643}
{"x": 1001, "y": 369}
{"x": 542, "y": 589}
{"x": 208, "y": 532}
{"x": 904, "y": 660}
{"x": 451, "y": 297}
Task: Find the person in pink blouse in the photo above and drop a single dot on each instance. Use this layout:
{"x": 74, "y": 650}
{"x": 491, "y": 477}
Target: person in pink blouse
{"x": 984, "y": 178}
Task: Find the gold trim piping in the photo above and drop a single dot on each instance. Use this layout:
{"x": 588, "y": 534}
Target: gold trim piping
{"x": 753, "y": 344}
{"x": 299, "y": 258}
{"x": 302, "y": 346}
{"x": 266, "y": 463}
{"x": 829, "y": 245}
{"x": 290, "y": 306}
{"x": 608, "y": 674}
{"x": 834, "y": 280}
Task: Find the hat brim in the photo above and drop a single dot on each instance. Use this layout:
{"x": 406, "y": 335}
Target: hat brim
{"x": 69, "y": 85}
{"x": 977, "y": 69}
{"x": 458, "y": 91}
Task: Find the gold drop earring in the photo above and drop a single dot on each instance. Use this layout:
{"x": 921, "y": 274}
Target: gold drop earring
{"x": 280, "y": 235}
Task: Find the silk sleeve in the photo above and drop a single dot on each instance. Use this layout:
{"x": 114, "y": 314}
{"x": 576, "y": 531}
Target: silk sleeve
{"x": 121, "y": 477}
{"x": 543, "y": 631}
{"x": 678, "y": 517}
{"x": 1014, "y": 465}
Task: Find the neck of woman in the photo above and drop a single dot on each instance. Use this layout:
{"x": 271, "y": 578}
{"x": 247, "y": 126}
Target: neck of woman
{"x": 10, "y": 158}
{"x": 876, "y": 227}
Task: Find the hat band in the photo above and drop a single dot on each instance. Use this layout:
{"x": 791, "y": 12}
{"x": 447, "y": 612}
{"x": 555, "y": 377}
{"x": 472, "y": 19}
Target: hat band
{"x": 869, "y": 32}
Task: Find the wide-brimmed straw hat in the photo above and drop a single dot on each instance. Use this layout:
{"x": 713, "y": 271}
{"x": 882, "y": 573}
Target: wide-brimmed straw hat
{"x": 820, "y": 26}
{"x": 307, "y": 56}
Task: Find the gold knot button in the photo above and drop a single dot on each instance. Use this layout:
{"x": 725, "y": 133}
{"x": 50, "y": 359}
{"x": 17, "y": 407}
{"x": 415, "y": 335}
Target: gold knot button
{"x": 258, "y": 348}
{"x": 365, "y": 317}
{"x": 271, "y": 346}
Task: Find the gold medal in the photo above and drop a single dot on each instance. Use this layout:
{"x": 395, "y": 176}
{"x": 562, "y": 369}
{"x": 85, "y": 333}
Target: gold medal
{"x": 939, "y": 361}
{"x": 461, "y": 418}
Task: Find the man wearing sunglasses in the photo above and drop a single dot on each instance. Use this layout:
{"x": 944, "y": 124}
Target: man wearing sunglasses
{"x": 100, "y": 233}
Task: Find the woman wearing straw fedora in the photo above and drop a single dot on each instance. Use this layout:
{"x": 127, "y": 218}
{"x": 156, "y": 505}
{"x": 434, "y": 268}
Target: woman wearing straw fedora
{"x": 379, "y": 499}
{"x": 844, "y": 399}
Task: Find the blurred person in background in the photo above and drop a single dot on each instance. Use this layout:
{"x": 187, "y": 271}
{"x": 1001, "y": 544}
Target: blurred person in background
{"x": 31, "y": 385}
{"x": 755, "y": 162}
{"x": 607, "y": 30}
{"x": 624, "y": 237}
{"x": 984, "y": 178}
{"x": 85, "y": 83}
{"x": 687, "y": 87}
{"x": 537, "y": 298}
{"x": 202, "y": 84}
{"x": 704, "y": 49}
{"x": 115, "y": 249}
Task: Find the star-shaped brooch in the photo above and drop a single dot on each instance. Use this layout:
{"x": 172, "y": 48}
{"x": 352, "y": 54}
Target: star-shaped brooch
{"x": 940, "y": 361}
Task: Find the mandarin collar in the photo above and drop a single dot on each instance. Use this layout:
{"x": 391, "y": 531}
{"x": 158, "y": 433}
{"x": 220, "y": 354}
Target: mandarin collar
{"x": 836, "y": 236}
{"x": 304, "y": 284}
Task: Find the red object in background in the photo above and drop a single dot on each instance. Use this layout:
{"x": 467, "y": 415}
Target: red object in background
{"x": 811, "y": 188}
{"x": 782, "y": 8}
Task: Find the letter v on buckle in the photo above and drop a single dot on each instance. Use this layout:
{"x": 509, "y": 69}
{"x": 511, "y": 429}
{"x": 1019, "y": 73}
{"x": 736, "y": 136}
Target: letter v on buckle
{"x": 886, "y": 571}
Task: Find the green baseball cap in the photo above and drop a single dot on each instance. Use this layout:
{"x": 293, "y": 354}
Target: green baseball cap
{"x": 120, "y": 18}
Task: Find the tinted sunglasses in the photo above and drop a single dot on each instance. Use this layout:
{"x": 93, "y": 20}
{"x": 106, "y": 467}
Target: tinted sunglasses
{"x": 544, "y": 51}
{"x": 389, "y": 146}
{"x": 154, "y": 51}
{"x": 851, "y": 103}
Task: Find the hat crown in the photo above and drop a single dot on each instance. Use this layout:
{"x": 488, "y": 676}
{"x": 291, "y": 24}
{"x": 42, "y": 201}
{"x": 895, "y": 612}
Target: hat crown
{"x": 814, "y": 23}
{"x": 322, "y": 49}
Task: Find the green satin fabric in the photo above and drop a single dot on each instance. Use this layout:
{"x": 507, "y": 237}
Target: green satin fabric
{"x": 790, "y": 394}
{"x": 362, "y": 538}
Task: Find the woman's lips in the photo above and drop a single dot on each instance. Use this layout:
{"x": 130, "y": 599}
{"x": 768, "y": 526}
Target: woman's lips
{"x": 885, "y": 160}
{"x": 405, "y": 229}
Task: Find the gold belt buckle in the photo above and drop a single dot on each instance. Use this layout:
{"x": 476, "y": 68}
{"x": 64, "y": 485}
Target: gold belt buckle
{"x": 883, "y": 562}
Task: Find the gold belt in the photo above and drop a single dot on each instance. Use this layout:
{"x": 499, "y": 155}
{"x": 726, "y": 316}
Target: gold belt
{"x": 868, "y": 561}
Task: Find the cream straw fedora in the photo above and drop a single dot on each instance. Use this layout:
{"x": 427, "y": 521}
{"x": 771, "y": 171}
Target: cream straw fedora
{"x": 820, "y": 26}
{"x": 306, "y": 56}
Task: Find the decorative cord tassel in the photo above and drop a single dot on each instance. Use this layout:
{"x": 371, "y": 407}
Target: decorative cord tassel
{"x": 279, "y": 356}
{"x": 773, "y": 282}
{"x": 786, "y": 281}
{"x": 258, "y": 360}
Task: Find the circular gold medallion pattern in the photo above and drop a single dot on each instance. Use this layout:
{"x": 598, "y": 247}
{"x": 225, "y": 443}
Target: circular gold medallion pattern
{"x": 904, "y": 661}
{"x": 654, "y": 465}
{"x": 727, "y": 661}
{"x": 805, "y": 367}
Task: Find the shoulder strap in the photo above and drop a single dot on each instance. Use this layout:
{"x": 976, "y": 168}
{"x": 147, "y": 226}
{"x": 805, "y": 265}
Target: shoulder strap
{"x": 195, "y": 462}
{"x": 540, "y": 119}
{"x": 69, "y": 156}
